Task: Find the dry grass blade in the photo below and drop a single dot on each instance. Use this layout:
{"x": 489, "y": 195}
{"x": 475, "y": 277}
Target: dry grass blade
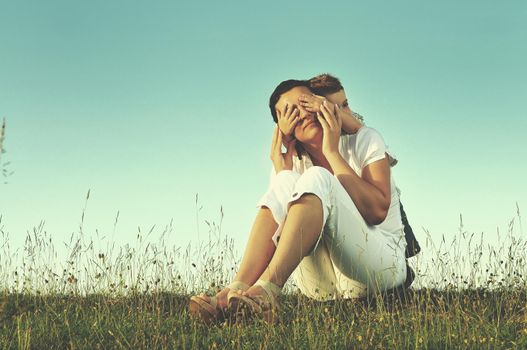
{"x": 2, "y": 138}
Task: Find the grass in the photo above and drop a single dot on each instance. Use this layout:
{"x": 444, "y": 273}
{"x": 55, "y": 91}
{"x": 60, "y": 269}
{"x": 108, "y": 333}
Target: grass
{"x": 427, "y": 319}
{"x": 467, "y": 295}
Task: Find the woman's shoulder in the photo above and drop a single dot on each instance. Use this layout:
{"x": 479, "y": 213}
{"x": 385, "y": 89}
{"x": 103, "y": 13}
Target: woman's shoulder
{"x": 373, "y": 137}
{"x": 367, "y": 133}
{"x": 367, "y": 145}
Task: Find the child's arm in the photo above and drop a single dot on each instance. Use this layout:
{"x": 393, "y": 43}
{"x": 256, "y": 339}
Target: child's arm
{"x": 350, "y": 124}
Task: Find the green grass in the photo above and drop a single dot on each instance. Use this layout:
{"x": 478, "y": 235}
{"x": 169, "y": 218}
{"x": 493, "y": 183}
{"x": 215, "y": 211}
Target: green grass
{"x": 97, "y": 295}
{"x": 426, "y": 319}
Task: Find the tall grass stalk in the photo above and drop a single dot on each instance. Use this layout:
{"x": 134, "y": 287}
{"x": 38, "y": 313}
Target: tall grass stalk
{"x": 3, "y": 164}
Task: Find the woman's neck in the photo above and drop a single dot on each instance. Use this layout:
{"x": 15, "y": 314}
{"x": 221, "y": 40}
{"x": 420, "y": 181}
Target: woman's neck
{"x": 316, "y": 155}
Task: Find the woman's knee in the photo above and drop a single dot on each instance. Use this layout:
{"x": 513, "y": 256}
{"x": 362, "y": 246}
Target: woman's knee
{"x": 314, "y": 187}
{"x": 309, "y": 199}
{"x": 316, "y": 177}
{"x": 317, "y": 181}
{"x": 284, "y": 182}
{"x": 317, "y": 172}
{"x": 279, "y": 193}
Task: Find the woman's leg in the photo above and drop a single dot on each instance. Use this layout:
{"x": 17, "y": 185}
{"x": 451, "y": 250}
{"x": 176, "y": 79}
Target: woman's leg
{"x": 361, "y": 252}
{"x": 301, "y": 231}
{"x": 260, "y": 246}
{"x": 302, "y": 228}
{"x": 259, "y": 249}
{"x": 258, "y": 252}
{"x": 315, "y": 276}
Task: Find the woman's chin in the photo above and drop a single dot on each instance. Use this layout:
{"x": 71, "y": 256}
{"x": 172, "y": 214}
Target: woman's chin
{"x": 311, "y": 135}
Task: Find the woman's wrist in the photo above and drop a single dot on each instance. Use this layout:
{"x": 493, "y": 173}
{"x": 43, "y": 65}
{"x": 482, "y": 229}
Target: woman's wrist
{"x": 287, "y": 138}
{"x": 334, "y": 159}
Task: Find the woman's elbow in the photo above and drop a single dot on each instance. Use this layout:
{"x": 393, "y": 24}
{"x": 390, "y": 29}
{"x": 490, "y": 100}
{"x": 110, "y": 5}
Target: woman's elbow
{"x": 378, "y": 215}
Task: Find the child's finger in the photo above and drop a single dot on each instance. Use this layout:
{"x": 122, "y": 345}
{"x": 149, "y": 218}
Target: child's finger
{"x": 305, "y": 98}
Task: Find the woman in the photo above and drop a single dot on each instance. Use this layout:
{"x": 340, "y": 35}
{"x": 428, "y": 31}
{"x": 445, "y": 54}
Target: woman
{"x": 331, "y": 215}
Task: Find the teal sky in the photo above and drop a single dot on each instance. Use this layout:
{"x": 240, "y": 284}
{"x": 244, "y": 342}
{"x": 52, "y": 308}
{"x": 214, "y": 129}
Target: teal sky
{"x": 149, "y": 103}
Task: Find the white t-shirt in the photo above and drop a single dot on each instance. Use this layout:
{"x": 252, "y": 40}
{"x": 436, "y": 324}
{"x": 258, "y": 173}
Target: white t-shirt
{"x": 360, "y": 150}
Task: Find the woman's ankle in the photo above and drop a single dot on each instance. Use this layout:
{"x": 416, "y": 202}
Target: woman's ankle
{"x": 237, "y": 285}
{"x": 234, "y": 286}
{"x": 269, "y": 287}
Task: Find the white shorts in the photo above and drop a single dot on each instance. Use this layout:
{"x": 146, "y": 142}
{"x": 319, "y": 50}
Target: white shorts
{"x": 351, "y": 258}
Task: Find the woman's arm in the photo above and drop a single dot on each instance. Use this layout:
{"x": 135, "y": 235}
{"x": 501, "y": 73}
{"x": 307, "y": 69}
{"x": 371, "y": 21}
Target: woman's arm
{"x": 281, "y": 161}
{"x": 371, "y": 193}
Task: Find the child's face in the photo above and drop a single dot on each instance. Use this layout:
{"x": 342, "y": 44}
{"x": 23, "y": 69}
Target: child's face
{"x": 340, "y": 99}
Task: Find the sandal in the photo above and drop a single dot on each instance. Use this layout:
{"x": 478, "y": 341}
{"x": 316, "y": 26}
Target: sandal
{"x": 208, "y": 310}
{"x": 264, "y": 306}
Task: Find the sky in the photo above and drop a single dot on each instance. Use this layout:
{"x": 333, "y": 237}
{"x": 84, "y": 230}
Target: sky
{"x": 159, "y": 109}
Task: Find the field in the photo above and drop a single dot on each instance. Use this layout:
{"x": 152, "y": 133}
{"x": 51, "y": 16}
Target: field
{"x": 467, "y": 295}
{"x": 428, "y": 319}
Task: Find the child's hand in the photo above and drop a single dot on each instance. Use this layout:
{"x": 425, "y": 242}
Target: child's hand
{"x": 313, "y": 102}
{"x": 287, "y": 120}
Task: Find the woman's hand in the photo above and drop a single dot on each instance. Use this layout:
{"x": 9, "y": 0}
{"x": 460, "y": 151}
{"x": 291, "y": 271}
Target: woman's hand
{"x": 313, "y": 102}
{"x": 281, "y": 161}
{"x": 331, "y": 124}
{"x": 287, "y": 120}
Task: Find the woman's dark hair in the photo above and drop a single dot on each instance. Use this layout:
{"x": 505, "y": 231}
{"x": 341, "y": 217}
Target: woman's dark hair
{"x": 282, "y": 88}
{"x": 325, "y": 84}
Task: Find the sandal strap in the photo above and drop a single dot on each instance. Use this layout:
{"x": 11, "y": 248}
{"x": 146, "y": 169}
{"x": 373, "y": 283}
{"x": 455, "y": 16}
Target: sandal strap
{"x": 272, "y": 290}
{"x": 213, "y": 302}
{"x": 254, "y": 306}
{"x": 238, "y": 285}
{"x": 209, "y": 306}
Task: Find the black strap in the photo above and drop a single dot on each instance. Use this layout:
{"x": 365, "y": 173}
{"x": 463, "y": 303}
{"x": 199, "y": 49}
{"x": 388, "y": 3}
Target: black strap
{"x": 412, "y": 246}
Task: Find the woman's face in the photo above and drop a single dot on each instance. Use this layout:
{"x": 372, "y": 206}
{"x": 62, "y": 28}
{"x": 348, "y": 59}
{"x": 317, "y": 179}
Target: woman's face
{"x": 340, "y": 99}
{"x": 308, "y": 129}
